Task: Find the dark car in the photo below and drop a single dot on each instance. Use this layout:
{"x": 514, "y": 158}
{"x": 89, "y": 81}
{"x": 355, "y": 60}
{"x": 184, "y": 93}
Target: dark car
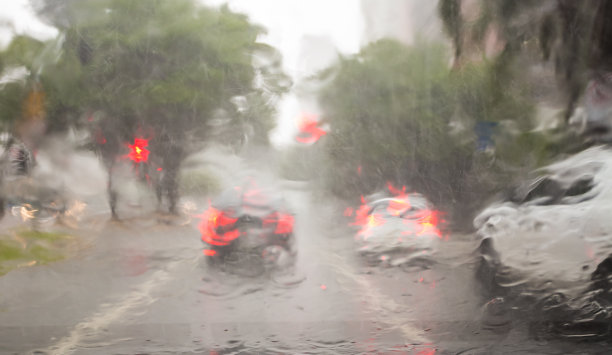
{"x": 16, "y": 159}
{"x": 16, "y": 187}
{"x": 247, "y": 225}
{"x": 549, "y": 243}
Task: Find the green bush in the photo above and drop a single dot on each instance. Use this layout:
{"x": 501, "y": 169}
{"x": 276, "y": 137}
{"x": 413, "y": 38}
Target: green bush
{"x": 198, "y": 182}
{"x": 28, "y": 247}
{"x": 400, "y": 114}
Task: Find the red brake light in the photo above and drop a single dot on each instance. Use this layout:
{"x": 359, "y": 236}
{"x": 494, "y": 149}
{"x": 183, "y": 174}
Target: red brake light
{"x": 284, "y": 224}
{"x": 212, "y": 219}
{"x": 427, "y": 220}
{"x": 283, "y": 221}
{"x": 429, "y": 223}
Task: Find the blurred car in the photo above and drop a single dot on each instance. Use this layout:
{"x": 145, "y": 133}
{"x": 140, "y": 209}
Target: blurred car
{"x": 16, "y": 159}
{"x": 34, "y": 202}
{"x": 400, "y": 229}
{"x": 550, "y": 241}
{"x": 16, "y": 163}
{"x": 247, "y": 225}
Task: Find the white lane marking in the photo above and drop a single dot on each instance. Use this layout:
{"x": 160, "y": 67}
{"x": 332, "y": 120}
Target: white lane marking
{"x": 109, "y": 313}
{"x": 387, "y": 309}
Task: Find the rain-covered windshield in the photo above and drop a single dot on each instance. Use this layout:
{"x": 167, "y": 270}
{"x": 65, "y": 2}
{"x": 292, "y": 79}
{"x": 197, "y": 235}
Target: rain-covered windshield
{"x": 305, "y": 177}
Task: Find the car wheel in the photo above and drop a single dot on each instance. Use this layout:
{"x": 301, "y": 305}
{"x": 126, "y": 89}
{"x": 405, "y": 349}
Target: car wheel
{"x": 487, "y": 270}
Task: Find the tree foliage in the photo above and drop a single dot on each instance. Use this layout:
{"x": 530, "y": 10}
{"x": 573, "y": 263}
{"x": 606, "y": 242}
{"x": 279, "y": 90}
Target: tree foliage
{"x": 573, "y": 35}
{"x": 37, "y": 87}
{"x": 389, "y": 108}
{"x": 400, "y": 114}
{"x": 22, "y": 53}
{"x": 166, "y": 64}
{"x": 156, "y": 69}
{"x": 162, "y": 64}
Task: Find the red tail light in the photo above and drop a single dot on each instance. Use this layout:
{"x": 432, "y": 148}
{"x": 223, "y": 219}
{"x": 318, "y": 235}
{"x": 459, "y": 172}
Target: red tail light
{"x": 212, "y": 220}
{"x": 284, "y": 224}
{"x": 361, "y": 215}
{"x": 283, "y": 221}
{"x": 427, "y": 220}
{"x": 429, "y": 223}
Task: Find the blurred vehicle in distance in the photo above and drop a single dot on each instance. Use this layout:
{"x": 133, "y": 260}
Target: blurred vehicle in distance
{"x": 16, "y": 163}
{"x": 397, "y": 229}
{"x": 246, "y": 226}
{"x": 15, "y": 157}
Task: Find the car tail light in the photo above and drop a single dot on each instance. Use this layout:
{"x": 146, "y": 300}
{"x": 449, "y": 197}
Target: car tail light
{"x": 209, "y": 252}
{"x": 214, "y": 225}
{"x": 283, "y": 222}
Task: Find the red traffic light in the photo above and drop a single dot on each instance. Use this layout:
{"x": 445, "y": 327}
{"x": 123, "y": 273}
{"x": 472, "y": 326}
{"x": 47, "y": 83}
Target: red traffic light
{"x": 138, "y": 151}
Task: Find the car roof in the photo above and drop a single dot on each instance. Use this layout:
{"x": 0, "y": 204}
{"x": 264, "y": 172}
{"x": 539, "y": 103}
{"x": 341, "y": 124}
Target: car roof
{"x": 416, "y": 201}
{"x": 237, "y": 198}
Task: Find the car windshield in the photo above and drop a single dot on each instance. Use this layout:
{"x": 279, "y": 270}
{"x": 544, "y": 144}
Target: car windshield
{"x": 305, "y": 177}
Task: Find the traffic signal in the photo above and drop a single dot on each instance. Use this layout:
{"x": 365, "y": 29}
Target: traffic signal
{"x": 138, "y": 151}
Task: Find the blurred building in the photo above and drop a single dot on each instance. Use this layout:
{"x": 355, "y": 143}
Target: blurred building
{"x": 405, "y": 20}
{"x": 316, "y": 52}
{"x": 478, "y": 44}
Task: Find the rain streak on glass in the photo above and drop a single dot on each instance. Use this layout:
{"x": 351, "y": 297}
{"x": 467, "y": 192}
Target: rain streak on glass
{"x": 305, "y": 177}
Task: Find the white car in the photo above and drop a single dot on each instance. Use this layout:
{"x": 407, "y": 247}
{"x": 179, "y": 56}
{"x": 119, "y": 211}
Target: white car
{"x": 397, "y": 230}
{"x": 552, "y": 239}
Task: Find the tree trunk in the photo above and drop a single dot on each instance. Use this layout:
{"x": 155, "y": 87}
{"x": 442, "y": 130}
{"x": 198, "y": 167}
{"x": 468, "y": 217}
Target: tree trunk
{"x": 112, "y": 193}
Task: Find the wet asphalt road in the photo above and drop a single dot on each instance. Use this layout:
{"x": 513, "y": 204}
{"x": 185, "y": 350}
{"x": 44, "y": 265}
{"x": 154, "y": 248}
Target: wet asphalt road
{"x": 141, "y": 286}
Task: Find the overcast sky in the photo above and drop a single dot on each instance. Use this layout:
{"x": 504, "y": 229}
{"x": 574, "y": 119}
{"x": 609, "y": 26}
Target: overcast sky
{"x": 287, "y": 21}
{"x": 19, "y": 14}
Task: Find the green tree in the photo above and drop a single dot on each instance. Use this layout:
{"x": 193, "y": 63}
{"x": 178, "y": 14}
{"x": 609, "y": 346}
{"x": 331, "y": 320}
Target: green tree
{"x": 389, "y": 108}
{"x": 400, "y": 114}
{"x": 573, "y": 35}
{"x": 160, "y": 69}
{"x": 39, "y": 92}
{"x": 22, "y": 53}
